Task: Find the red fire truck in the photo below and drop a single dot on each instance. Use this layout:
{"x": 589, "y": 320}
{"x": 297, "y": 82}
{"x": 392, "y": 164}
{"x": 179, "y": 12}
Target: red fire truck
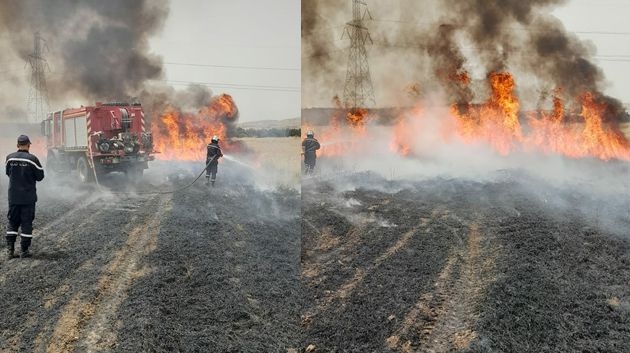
{"x": 99, "y": 139}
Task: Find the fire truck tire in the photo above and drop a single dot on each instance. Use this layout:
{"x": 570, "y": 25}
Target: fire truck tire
{"x": 84, "y": 171}
{"x": 54, "y": 164}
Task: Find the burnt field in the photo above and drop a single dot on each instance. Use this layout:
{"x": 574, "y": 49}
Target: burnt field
{"x": 508, "y": 264}
{"x": 198, "y": 270}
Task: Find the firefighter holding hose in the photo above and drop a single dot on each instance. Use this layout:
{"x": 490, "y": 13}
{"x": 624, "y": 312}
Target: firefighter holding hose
{"x": 24, "y": 171}
{"x": 309, "y": 147}
{"x": 212, "y": 160}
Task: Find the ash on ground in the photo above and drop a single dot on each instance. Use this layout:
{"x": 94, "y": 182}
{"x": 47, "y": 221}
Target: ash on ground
{"x": 510, "y": 263}
{"x": 132, "y": 267}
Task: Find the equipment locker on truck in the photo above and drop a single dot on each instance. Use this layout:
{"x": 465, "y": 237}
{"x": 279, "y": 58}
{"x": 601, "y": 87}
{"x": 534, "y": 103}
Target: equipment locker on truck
{"x": 94, "y": 140}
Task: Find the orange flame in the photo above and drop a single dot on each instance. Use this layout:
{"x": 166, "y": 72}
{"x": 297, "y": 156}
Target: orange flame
{"x": 357, "y": 118}
{"x": 590, "y": 138}
{"x": 340, "y": 136}
{"x": 184, "y": 136}
{"x": 404, "y": 134}
{"x": 496, "y": 121}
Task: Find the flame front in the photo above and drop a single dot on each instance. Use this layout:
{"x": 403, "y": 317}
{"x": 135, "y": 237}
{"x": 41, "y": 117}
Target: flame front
{"x": 590, "y": 137}
{"x": 183, "y": 136}
{"x": 344, "y": 130}
{"x": 496, "y": 123}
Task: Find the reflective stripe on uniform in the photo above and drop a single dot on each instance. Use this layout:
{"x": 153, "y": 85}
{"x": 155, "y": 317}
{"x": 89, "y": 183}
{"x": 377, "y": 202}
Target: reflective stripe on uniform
{"x": 26, "y": 235}
{"x": 12, "y": 233}
{"x": 23, "y": 160}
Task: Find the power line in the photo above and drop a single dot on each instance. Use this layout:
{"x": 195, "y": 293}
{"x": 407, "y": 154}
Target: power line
{"x": 242, "y": 85}
{"x": 613, "y": 60}
{"x": 602, "y": 32}
{"x": 235, "y": 86}
{"x": 528, "y": 28}
{"x": 235, "y": 66}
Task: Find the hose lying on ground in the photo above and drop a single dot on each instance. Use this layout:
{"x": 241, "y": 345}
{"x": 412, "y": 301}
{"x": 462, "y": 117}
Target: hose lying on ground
{"x": 154, "y": 192}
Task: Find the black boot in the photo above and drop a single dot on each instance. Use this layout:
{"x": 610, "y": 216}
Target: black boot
{"x": 11, "y": 251}
{"x": 25, "y": 243}
{"x": 11, "y": 247}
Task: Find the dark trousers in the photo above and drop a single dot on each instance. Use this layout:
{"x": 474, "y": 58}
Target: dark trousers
{"x": 309, "y": 161}
{"x": 211, "y": 171}
{"x": 20, "y": 217}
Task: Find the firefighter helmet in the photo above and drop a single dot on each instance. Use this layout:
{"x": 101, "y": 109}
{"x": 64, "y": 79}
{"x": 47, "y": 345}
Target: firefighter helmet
{"x": 215, "y": 138}
{"x": 310, "y": 133}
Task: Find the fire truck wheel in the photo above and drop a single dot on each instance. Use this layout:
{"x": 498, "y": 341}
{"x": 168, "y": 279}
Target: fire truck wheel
{"x": 84, "y": 170}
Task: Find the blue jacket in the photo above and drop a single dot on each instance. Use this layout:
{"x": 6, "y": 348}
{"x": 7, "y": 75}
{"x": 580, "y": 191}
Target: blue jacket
{"x": 214, "y": 151}
{"x": 24, "y": 170}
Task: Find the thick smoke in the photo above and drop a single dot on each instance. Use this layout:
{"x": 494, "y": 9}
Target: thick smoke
{"x": 320, "y": 22}
{"x": 421, "y": 44}
{"x": 524, "y": 36}
{"x": 94, "y": 49}
{"x": 448, "y": 65}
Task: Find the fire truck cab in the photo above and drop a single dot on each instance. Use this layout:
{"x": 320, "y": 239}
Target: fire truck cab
{"x": 94, "y": 140}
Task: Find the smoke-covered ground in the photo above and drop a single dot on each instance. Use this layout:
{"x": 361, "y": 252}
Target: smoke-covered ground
{"x": 461, "y": 250}
{"x": 197, "y": 270}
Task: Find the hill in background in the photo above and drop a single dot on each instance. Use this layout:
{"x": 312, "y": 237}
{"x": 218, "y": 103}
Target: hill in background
{"x": 293, "y": 123}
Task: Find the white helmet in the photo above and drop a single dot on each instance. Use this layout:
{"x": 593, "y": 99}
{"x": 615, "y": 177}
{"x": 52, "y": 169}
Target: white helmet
{"x": 310, "y": 133}
{"x": 215, "y": 138}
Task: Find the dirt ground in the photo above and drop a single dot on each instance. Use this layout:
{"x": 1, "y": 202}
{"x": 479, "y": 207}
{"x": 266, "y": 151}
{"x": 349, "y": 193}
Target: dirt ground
{"x": 198, "y": 270}
{"x": 511, "y": 264}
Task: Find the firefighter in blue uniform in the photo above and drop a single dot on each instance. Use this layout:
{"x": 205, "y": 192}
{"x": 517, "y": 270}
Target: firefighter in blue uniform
{"x": 212, "y": 160}
{"x": 310, "y": 145}
{"x": 24, "y": 171}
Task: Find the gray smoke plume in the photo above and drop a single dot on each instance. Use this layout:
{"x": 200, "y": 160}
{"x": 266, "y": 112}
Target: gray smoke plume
{"x": 448, "y": 65}
{"x": 523, "y": 34}
{"x": 429, "y": 42}
{"x": 95, "y": 49}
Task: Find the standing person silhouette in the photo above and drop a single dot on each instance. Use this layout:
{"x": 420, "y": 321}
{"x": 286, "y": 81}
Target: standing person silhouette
{"x": 309, "y": 148}
{"x": 24, "y": 171}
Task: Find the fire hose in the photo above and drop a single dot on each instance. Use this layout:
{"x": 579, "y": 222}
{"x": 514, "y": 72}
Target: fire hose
{"x": 153, "y": 192}
{"x": 143, "y": 192}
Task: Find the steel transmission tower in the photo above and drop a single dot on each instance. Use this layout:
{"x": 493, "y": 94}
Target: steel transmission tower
{"x": 358, "y": 91}
{"x": 38, "y": 94}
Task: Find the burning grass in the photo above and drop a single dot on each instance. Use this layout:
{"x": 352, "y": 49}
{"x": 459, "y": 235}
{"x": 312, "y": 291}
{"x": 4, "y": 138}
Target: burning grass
{"x": 585, "y": 126}
{"x": 180, "y": 135}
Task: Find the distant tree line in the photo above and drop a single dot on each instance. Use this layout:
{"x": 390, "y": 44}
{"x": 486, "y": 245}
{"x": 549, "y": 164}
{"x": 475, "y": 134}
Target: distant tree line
{"x": 273, "y": 132}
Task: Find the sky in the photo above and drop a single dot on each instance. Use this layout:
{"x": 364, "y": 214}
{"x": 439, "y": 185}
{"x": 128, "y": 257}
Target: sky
{"x": 602, "y": 25}
{"x": 248, "y": 49}
{"x": 252, "y": 50}
{"x": 606, "y": 24}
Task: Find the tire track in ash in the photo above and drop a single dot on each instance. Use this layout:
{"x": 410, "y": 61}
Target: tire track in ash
{"x": 39, "y": 241}
{"x": 56, "y": 233}
{"x": 330, "y": 249}
{"x": 443, "y": 320}
{"x": 330, "y": 252}
{"x": 89, "y": 324}
{"x": 345, "y": 290}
